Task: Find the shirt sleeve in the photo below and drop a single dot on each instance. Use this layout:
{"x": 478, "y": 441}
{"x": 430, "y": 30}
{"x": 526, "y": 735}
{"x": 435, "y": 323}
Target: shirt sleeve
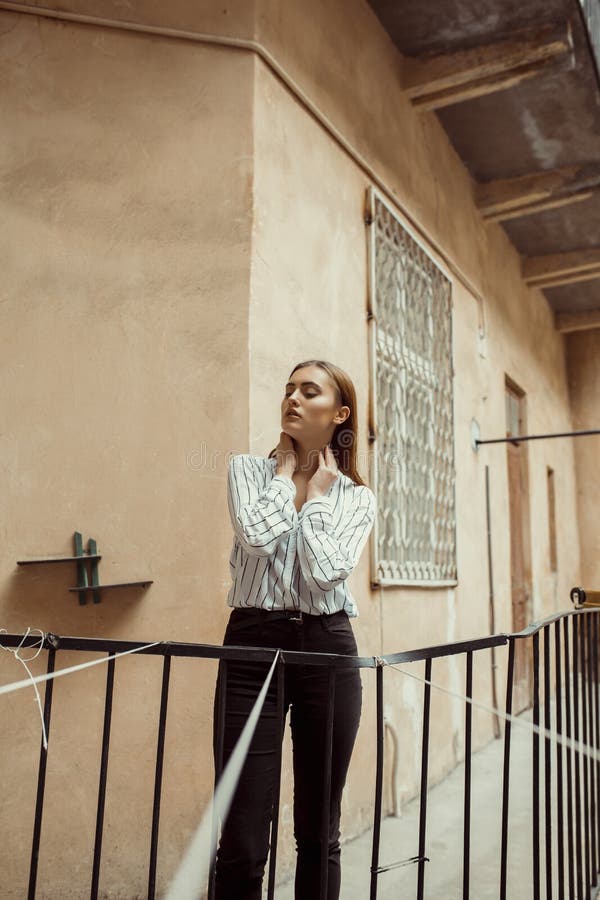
{"x": 328, "y": 555}
{"x": 260, "y": 518}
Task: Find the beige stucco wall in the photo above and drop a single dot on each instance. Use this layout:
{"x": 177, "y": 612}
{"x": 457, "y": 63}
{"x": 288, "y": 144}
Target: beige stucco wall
{"x": 583, "y": 355}
{"x": 192, "y": 232}
{"x": 127, "y": 209}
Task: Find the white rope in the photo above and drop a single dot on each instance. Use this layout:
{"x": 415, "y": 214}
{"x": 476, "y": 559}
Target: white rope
{"x": 24, "y": 661}
{"x": 195, "y": 864}
{"x": 585, "y": 749}
{"x": 17, "y": 685}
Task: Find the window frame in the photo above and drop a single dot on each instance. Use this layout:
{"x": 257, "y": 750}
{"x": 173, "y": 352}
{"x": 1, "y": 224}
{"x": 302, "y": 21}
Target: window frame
{"x": 374, "y": 196}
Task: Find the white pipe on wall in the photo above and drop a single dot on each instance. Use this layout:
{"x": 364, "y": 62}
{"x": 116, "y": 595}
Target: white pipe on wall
{"x": 395, "y": 766}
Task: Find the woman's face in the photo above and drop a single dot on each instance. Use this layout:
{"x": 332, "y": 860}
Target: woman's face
{"x": 312, "y": 395}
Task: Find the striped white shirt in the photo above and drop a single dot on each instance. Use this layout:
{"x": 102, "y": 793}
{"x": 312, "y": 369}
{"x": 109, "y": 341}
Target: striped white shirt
{"x": 285, "y": 559}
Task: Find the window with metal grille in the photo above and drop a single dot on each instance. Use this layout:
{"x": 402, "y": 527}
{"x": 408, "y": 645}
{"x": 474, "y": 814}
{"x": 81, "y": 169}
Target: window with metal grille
{"x": 414, "y": 535}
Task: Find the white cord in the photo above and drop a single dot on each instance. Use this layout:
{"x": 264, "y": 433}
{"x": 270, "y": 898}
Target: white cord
{"x": 31, "y": 679}
{"x": 509, "y": 717}
{"x": 194, "y": 866}
{"x": 16, "y": 685}
{"x": 35, "y": 680}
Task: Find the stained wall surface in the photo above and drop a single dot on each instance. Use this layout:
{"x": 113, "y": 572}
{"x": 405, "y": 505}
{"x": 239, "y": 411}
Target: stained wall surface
{"x": 583, "y": 356}
{"x": 183, "y": 230}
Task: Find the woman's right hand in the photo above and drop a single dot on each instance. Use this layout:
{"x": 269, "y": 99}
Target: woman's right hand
{"x": 287, "y": 461}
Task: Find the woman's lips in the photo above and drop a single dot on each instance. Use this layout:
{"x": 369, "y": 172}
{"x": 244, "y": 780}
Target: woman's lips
{"x": 294, "y": 414}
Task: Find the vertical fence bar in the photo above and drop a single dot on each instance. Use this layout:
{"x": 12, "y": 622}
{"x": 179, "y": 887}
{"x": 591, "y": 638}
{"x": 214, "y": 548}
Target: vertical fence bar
{"x": 597, "y": 726}
{"x": 277, "y": 789}
{"x": 491, "y": 599}
{"x": 560, "y": 855}
{"x": 547, "y": 765}
{"x": 424, "y": 764}
{"x": 39, "y": 800}
{"x": 536, "y": 768}
{"x": 110, "y": 677}
{"x": 467, "y": 800}
{"x": 584, "y": 761}
{"x": 506, "y": 768}
{"x": 378, "y": 785}
{"x": 327, "y": 785}
{"x": 578, "y": 846}
{"x": 591, "y": 762}
{"x": 569, "y": 762}
{"x": 219, "y": 746}
{"x": 160, "y": 752}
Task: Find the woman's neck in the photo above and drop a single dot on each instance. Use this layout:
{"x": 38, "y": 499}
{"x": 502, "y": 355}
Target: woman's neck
{"x": 308, "y": 460}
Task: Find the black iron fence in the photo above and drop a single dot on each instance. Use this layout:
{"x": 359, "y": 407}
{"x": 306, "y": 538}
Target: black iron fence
{"x": 564, "y": 678}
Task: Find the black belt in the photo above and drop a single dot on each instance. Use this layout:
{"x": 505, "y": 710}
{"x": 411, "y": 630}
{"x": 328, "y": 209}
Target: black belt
{"x": 293, "y": 615}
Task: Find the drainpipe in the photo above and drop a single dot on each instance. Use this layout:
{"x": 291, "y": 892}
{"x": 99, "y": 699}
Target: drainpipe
{"x": 387, "y": 723}
{"x": 491, "y": 600}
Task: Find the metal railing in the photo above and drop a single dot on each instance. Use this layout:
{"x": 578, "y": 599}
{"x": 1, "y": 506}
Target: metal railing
{"x": 573, "y": 850}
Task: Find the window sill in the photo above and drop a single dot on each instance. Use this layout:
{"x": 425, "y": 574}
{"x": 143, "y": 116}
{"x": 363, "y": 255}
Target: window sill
{"x": 393, "y": 582}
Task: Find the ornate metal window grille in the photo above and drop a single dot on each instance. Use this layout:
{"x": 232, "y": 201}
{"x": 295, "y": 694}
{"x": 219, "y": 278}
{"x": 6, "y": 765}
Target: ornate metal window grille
{"x": 412, "y": 407}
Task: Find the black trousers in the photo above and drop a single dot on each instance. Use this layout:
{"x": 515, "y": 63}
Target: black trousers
{"x": 244, "y": 842}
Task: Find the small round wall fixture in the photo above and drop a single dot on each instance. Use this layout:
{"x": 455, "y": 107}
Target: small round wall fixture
{"x": 475, "y": 434}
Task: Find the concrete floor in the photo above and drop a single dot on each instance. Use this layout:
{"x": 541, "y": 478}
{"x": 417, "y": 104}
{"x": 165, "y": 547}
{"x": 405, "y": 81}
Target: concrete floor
{"x": 444, "y": 835}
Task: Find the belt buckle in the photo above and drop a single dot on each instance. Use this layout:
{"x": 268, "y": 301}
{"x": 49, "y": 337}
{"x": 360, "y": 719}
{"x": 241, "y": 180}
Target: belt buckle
{"x": 297, "y": 618}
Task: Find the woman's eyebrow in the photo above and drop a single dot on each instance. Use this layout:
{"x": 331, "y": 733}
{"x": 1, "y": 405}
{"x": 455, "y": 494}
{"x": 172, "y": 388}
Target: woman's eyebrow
{"x": 303, "y": 383}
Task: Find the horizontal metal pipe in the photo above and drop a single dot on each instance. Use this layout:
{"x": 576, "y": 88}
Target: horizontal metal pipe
{"x": 517, "y": 438}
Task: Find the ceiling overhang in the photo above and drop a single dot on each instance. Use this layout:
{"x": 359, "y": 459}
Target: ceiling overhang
{"x": 516, "y": 87}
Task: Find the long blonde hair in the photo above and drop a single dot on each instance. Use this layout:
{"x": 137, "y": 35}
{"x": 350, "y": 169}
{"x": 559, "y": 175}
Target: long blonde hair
{"x": 344, "y": 439}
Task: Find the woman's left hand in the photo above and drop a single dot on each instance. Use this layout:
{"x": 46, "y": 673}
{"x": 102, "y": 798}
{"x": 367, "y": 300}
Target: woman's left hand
{"x": 324, "y": 477}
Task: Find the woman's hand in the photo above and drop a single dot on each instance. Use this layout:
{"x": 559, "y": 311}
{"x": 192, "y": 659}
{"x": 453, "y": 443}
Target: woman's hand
{"x": 325, "y": 476}
{"x": 287, "y": 461}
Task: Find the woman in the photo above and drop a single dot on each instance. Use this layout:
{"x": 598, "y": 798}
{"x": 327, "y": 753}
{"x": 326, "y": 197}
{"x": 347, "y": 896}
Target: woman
{"x": 300, "y": 525}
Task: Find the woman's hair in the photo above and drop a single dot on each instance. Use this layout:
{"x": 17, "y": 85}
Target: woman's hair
{"x": 344, "y": 438}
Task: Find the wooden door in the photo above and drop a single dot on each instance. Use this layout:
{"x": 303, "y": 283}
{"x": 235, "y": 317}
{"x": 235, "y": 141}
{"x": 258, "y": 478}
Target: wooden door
{"x": 520, "y": 549}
